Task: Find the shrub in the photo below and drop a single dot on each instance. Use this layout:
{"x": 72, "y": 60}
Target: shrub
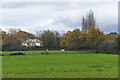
{"x": 109, "y": 47}
{"x": 17, "y": 53}
{"x": 117, "y": 39}
{"x": 72, "y": 46}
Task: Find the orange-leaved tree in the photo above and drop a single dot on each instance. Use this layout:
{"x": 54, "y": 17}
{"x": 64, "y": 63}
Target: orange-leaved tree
{"x": 117, "y": 39}
{"x": 83, "y": 40}
{"x": 70, "y": 39}
{"x": 94, "y": 37}
{"x": 65, "y": 40}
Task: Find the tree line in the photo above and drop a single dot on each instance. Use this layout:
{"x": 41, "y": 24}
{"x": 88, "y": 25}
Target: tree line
{"x": 90, "y": 37}
{"x": 13, "y": 39}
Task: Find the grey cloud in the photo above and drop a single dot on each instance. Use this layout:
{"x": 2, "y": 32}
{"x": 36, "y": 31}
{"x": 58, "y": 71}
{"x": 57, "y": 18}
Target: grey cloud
{"x": 57, "y": 16}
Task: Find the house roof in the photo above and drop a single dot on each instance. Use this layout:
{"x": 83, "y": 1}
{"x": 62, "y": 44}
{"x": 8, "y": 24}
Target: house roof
{"x": 32, "y": 40}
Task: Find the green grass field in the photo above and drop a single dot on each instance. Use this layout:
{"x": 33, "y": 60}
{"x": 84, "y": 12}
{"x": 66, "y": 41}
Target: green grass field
{"x": 59, "y": 65}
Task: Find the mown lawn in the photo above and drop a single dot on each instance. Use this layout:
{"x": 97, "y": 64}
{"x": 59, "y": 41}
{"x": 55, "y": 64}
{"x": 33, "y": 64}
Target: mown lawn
{"x": 60, "y": 65}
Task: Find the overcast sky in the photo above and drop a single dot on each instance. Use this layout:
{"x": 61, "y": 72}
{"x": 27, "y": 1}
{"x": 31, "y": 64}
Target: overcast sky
{"x": 59, "y": 16}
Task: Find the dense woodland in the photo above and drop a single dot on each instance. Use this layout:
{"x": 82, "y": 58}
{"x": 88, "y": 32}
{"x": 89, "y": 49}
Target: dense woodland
{"x": 90, "y": 37}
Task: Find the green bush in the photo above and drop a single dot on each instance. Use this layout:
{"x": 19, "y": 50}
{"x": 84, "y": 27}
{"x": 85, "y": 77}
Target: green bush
{"x": 109, "y": 47}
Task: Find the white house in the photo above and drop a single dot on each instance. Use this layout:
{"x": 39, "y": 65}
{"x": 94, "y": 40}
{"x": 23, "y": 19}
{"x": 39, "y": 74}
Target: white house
{"x": 32, "y": 43}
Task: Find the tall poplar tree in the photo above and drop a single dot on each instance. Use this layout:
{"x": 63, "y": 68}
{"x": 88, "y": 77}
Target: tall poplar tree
{"x": 88, "y": 22}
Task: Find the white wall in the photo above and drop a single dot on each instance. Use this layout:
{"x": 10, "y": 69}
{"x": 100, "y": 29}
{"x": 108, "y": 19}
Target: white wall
{"x": 37, "y": 44}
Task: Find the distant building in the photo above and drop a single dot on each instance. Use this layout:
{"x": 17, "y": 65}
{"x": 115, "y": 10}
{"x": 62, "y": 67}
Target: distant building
{"x": 32, "y": 43}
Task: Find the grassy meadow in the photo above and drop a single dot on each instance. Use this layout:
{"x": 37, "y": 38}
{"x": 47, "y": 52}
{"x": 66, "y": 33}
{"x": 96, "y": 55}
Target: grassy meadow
{"x": 57, "y": 64}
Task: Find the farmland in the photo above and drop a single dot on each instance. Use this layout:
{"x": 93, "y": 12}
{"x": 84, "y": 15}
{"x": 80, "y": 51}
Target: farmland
{"x": 57, "y": 64}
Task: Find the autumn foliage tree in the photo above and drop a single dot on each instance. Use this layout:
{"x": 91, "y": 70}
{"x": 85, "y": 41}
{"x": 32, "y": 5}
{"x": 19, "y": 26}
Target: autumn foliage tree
{"x": 13, "y": 39}
{"x": 117, "y": 39}
{"x": 95, "y": 36}
{"x": 74, "y": 40}
{"x": 83, "y": 40}
{"x": 65, "y": 39}
{"x": 70, "y": 40}
{"x": 80, "y": 40}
